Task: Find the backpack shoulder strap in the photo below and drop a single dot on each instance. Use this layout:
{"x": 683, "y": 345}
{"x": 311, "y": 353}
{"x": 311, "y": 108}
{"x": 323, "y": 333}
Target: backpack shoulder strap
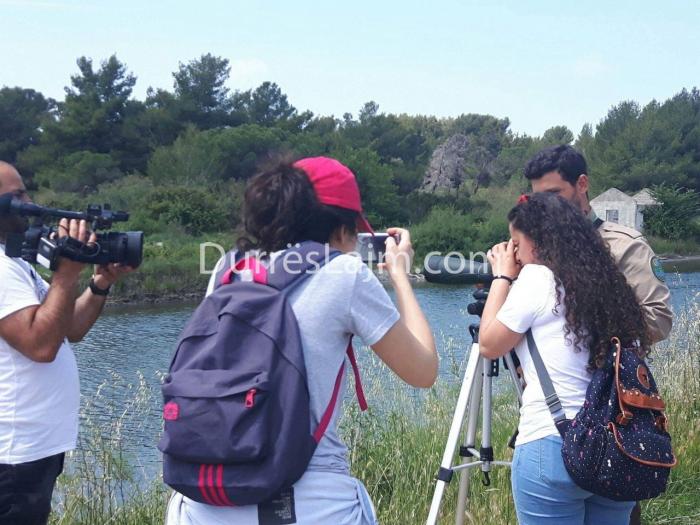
{"x": 359, "y": 391}
{"x": 298, "y": 263}
{"x": 550, "y": 394}
{"x": 328, "y": 413}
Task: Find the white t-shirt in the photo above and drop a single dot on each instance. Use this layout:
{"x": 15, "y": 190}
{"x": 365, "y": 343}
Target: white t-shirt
{"x": 530, "y": 304}
{"x": 38, "y": 401}
{"x": 343, "y": 298}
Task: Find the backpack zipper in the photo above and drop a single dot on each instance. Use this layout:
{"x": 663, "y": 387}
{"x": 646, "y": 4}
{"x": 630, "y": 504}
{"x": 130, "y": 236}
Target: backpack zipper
{"x": 250, "y": 398}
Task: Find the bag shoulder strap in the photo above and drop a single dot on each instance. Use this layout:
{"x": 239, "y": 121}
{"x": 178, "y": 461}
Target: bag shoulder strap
{"x": 328, "y": 413}
{"x": 550, "y": 394}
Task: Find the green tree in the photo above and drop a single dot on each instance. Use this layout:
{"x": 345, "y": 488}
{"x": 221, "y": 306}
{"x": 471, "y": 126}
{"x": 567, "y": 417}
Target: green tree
{"x": 81, "y": 171}
{"x": 201, "y": 92}
{"x": 637, "y": 147}
{"x": 268, "y": 106}
{"x": 556, "y": 135}
{"x": 97, "y": 116}
{"x": 673, "y": 217}
{"x": 487, "y": 131}
{"x": 21, "y": 114}
{"x": 585, "y": 141}
{"x": 209, "y": 157}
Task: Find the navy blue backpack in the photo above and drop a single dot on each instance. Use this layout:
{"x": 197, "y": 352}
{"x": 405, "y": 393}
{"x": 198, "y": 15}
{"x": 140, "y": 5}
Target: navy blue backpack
{"x": 238, "y": 427}
{"x": 618, "y": 445}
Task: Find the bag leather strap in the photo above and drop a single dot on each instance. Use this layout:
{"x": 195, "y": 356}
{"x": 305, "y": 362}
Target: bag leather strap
{"x": 550, "y": 394}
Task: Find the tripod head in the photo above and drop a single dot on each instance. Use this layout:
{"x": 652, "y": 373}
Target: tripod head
{"x": 477, "y": 307}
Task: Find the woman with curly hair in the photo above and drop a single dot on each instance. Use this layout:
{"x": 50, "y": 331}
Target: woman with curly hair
{"x": 556, "y": 277}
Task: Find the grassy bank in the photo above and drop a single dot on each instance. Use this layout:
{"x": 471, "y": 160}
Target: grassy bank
{"x": 396, "y": 450}
{"x": 671, "y": 247}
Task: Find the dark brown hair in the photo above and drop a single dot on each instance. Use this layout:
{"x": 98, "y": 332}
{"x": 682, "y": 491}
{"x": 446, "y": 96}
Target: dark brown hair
{"x": 281, "y": 209}
{"x": 599, "y": 303}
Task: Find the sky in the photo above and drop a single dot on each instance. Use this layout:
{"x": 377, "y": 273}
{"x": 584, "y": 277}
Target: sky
{"x": 539, "y": 63}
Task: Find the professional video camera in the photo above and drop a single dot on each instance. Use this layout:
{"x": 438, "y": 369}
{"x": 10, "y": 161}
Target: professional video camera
{"x": 39, "y": 244}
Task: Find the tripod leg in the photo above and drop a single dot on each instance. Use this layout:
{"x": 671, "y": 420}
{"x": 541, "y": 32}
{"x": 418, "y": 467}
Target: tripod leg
{"x": 486, "y": 451}
{"x": 469, "y": 439}
{"x": 518, "y": 384}
{"x": 445, "y": 473}
{"x": 514, "y": 376}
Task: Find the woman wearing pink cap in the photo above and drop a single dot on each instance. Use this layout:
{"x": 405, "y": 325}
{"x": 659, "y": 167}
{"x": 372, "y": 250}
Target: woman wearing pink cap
{"x": 317, "y": 199}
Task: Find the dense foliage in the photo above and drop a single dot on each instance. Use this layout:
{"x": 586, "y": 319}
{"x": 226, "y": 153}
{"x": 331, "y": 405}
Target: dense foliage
{"x": 179, "y": 159}
{"x": 674, "y": 218}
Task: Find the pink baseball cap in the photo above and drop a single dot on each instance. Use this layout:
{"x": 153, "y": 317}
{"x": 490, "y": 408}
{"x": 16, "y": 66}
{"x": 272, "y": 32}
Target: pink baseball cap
{"x": 335, "y": 185}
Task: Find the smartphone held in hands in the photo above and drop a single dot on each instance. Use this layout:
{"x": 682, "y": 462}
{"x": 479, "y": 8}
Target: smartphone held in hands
{"x": 370, "y": 247}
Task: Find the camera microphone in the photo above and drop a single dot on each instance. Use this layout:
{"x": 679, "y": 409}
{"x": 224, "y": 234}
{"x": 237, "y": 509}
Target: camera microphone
{"x": 11, "y": 205}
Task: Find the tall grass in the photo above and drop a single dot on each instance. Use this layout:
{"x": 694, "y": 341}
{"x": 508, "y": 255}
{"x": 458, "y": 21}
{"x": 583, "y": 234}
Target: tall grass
{"x": 102, "y": 482}
{"x": 395, "y": 449}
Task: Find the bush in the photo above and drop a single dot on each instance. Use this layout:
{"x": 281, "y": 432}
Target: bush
{"x": 674, "y": 217}
{"x": 446, "y": 229}
{"x": 195, "y": 210}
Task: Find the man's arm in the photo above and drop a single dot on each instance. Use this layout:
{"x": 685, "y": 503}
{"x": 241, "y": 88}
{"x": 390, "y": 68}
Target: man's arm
{"x": 39, "y": 331}
{"x": 89, "y": 306}
{"x": 87, "y": 309}
{"x": 635, "y": 261}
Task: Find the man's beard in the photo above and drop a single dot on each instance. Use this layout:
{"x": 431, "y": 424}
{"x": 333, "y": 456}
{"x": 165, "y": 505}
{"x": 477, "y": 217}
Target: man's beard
{"x": 578, "y": 201}
{"x": 12, "y": 224}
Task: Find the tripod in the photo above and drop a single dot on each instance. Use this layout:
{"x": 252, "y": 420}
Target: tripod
{"x": 476, "y": 390}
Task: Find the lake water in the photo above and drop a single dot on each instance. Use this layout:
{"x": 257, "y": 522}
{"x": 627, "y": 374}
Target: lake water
{"x": 123, "y": 358}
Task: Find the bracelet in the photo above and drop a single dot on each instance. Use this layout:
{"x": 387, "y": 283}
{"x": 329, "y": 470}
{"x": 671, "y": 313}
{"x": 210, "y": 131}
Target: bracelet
{"x": 96, "y": 289}
{"x": 505, "y": 278}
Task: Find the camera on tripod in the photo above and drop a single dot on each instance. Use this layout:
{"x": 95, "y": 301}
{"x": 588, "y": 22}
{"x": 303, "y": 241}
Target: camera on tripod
{"x": 40, "y": 244}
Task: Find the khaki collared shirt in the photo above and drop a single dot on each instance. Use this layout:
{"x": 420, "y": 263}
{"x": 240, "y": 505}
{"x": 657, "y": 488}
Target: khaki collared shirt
{"x": 635, "y": 259}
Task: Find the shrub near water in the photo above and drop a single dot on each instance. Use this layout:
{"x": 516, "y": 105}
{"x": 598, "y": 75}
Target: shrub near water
{"x": 396, "y": 449}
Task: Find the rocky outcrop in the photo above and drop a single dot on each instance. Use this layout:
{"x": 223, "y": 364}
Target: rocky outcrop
{"x": 457, "y": 160}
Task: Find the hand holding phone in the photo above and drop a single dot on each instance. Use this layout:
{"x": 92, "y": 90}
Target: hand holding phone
{"x": 399, "y": 253}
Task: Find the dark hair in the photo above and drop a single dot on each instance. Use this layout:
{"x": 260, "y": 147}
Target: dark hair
{"x": 599, "y": 303}
{"x": 281, "y": 209}
{"x": 566, "y": 160}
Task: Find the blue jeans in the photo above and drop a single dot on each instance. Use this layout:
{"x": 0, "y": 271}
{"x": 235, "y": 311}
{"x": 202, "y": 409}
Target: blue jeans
{"x": 544, "y": 493}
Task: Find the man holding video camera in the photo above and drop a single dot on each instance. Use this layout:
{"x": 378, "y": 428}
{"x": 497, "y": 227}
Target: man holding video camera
{"x": 39, "y": 390}
{"x": 562, "y": 170}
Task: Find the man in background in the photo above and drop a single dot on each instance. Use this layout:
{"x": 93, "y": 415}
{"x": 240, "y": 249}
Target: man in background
{"x": 562, "y": 170}
{"x": 39, "y": 390}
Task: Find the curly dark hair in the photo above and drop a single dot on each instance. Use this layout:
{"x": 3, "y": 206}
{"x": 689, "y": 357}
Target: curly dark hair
{"x": 563, "y": 158}
{"x": 280, "y": 209}
{"x": 599, "y": 303}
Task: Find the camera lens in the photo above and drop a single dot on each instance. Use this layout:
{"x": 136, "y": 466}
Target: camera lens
{"x": 133, "y": 252}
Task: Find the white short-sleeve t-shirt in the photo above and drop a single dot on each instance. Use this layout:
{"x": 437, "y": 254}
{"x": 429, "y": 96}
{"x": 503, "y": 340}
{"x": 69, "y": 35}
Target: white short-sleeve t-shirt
{"x": 531, "y": 304}
{"x": 38, "y": 401}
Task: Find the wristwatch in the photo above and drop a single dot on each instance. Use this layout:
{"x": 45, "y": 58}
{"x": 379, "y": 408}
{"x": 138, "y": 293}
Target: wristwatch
{"x": 505, "y": 278}
{"x": 96, "y": 289}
